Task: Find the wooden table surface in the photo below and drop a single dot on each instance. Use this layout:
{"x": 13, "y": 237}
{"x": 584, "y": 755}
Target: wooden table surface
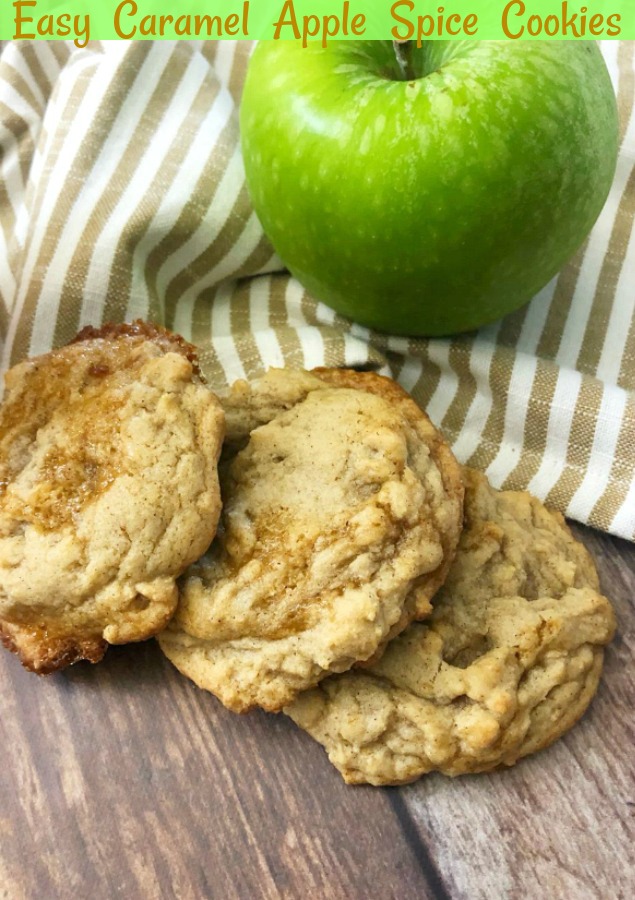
{"x": 124, "y": 780}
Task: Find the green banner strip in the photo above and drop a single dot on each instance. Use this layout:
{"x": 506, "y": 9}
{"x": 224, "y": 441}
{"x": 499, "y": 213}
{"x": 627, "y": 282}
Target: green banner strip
{"x": 317, "y": 20}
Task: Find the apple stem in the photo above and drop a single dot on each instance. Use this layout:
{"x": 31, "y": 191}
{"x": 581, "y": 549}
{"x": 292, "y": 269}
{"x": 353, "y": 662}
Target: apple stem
{"x": 403, "y": 55}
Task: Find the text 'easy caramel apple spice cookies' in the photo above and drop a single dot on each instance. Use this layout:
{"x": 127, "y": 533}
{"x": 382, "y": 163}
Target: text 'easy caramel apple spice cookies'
{"x": 407, "y": 615}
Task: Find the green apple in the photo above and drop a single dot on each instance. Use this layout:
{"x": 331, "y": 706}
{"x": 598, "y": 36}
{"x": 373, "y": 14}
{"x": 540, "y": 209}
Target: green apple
{"x": 431, "y": 197}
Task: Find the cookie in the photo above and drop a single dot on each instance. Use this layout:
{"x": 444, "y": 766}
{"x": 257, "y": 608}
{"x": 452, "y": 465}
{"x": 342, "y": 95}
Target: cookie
{"x": 508, "y": 661}
{"x": 108, "y": 491}
{"x": 342, "y": 508}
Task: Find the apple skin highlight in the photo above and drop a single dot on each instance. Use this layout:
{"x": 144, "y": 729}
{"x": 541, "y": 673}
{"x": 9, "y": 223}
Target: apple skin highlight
{"x": 432, "y": 205}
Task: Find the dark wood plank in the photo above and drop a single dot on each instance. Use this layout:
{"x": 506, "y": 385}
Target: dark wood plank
{"x": 127, "y": 777}
{"x": 560, "y": 825}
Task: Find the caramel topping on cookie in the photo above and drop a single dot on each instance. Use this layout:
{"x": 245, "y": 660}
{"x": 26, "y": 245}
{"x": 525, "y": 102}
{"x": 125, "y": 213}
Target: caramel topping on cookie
{"x": 108, "y": 451}
{"x": 79, "y": 403}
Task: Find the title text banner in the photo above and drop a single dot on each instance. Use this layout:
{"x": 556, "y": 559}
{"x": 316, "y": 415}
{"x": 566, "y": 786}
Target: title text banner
{"x": 317, "y": 20}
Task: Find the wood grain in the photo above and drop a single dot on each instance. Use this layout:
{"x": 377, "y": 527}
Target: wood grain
{"x": 124, "y": 780}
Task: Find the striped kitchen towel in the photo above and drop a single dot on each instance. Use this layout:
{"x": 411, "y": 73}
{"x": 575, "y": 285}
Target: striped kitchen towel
{"x": 122, "y": 195}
